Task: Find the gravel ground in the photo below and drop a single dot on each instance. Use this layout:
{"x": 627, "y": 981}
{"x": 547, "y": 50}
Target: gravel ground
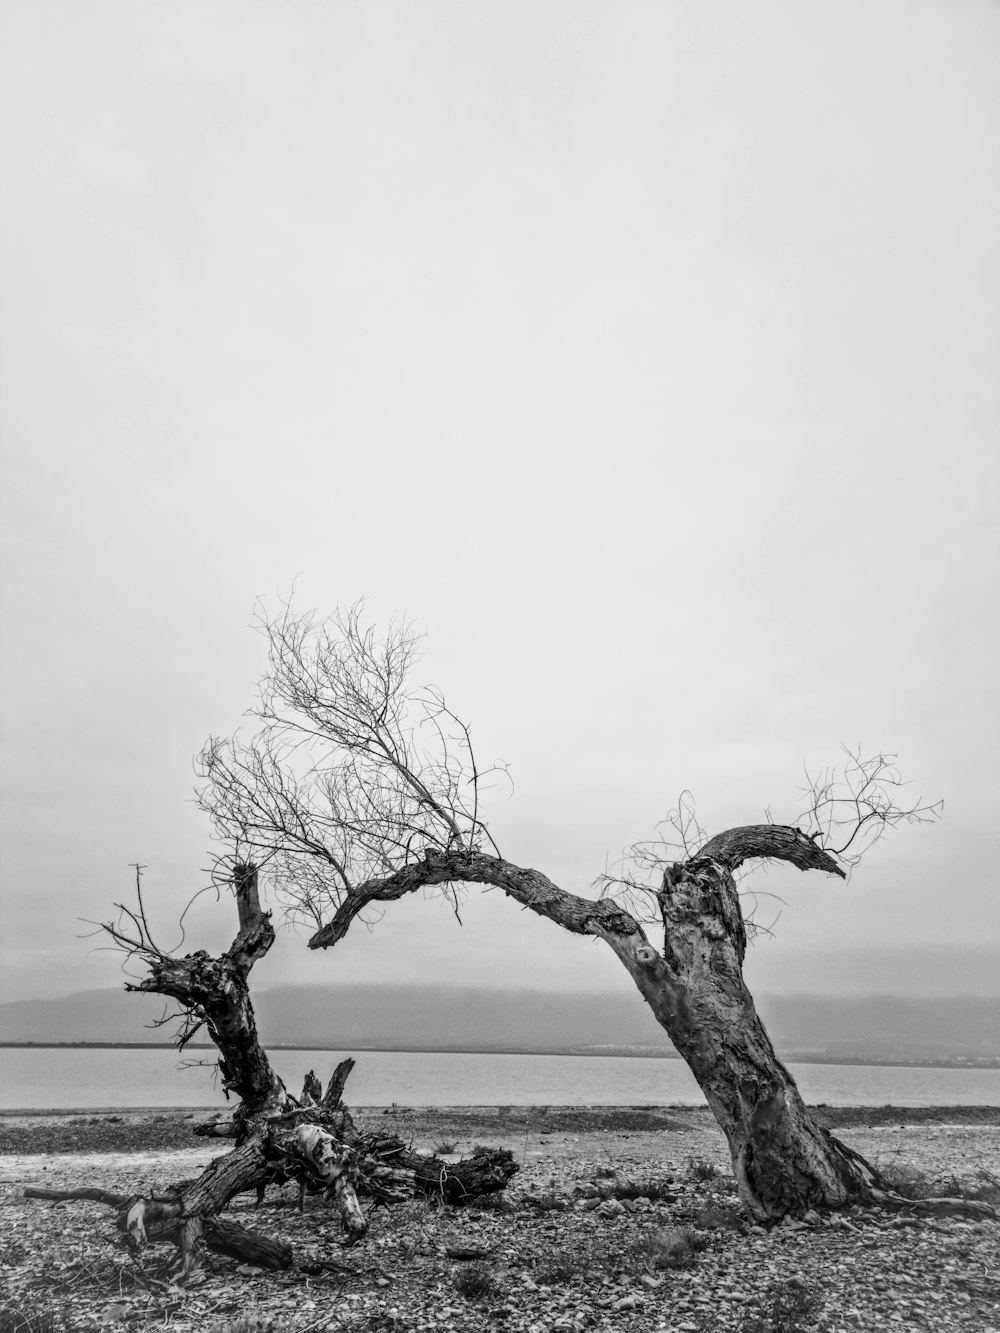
{"x": 568, "y": 1248}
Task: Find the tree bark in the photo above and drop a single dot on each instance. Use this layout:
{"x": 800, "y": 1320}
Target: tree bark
{"x": 784, "y": 1162}
{"x": 216, "y": 992}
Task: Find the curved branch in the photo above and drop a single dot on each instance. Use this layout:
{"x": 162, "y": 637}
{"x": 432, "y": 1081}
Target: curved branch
{"x": 530, "y": 888}
{"x": 777, "y": 842}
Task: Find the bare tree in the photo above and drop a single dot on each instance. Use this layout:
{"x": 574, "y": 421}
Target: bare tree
{"x": 358, "y": 788}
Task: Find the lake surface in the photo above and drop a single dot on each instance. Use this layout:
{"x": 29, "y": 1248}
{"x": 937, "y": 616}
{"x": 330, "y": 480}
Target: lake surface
{"x": 62, "y": 1077}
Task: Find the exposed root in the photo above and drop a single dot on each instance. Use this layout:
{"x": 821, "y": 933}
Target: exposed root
{"x": 972, "y": 1208}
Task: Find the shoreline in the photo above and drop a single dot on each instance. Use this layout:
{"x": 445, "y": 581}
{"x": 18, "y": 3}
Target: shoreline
{"x": 989, "y": 1062}
{"x": 886, "y": 1112}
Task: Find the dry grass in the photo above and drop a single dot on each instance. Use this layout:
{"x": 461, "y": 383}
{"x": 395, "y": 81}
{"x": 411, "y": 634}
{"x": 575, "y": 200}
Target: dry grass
{"x": 787, "y": 1307}
{"x": 667, "y": 1247}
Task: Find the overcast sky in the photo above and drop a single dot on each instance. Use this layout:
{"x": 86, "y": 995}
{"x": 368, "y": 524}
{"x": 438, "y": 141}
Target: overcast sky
{"x": 644, "y": 354}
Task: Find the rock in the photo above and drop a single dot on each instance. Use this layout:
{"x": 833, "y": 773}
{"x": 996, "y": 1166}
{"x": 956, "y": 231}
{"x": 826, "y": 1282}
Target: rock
{"x": 626, "y": 1303}
{"x": 611, "y": 1208}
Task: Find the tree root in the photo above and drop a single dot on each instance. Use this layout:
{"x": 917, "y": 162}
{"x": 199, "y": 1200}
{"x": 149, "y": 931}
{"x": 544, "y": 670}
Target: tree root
{"x": 975, "y": 1209}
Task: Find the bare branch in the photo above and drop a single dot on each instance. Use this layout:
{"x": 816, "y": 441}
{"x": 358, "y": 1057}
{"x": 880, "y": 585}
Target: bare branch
{"x": 847, "y": 810}
{"x": 352, "y": 771}
{"x": 532, "y": 889}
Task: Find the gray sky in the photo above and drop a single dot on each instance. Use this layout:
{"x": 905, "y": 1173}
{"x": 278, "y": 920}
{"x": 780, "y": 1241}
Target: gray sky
{"x": 644, "y": 354}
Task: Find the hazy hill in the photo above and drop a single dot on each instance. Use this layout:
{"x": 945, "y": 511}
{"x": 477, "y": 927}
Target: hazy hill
{"x": 440, "y": 1017}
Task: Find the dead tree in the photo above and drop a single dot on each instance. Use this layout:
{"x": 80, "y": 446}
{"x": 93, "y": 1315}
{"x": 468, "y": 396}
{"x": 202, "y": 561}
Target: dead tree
{"x": 272, "y": 1132}
{"x": 358, "y": 789}
{"x": 312, "y": 1140}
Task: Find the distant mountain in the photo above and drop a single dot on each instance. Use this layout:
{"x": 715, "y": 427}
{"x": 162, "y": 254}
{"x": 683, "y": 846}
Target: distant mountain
{"x": 440, "y": 1017}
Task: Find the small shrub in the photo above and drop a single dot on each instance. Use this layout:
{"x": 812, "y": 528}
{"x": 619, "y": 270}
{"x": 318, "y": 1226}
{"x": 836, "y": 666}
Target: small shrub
{"x": 476, "y": 1283}
{"x": 557, "y": 1274}
{"x": 786, "y": 1307}
{"x": 445, "y": 1146}
{"x": 633, "y": 1189}
{"x": 701, "y": 1171}
{"x": 906, "y": 1181}
{"x": 667, "y": 1247}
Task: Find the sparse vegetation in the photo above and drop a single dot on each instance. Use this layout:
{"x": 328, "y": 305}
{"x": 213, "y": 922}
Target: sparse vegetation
{"x": 787, "y": 1307}
{"x": 701, "y": 1171}
{"x": 476, "y": 1283}
{"x": 561, "y": 1272}
{"x": 650, "y": 1188}
{"x": 667, "y": 1247}
{"x": 446, "y": 1146}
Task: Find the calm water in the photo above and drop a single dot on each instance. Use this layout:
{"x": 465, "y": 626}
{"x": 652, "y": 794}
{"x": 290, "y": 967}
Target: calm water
{"x": 61, "y": 1078}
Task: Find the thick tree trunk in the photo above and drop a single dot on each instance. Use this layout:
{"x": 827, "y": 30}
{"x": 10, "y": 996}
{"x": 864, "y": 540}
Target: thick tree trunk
{"x": 783, "y": 1161}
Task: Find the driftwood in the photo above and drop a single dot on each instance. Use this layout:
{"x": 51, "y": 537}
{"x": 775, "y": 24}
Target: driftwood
{"x": 389, "y": 1170}
{"x": 277, "y": 1138}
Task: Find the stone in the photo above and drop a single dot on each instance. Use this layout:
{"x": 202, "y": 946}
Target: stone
{"x": 611, "y": 1208}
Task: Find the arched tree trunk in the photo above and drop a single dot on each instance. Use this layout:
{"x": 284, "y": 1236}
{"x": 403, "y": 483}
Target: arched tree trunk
{"x": 784, "y": 1161}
